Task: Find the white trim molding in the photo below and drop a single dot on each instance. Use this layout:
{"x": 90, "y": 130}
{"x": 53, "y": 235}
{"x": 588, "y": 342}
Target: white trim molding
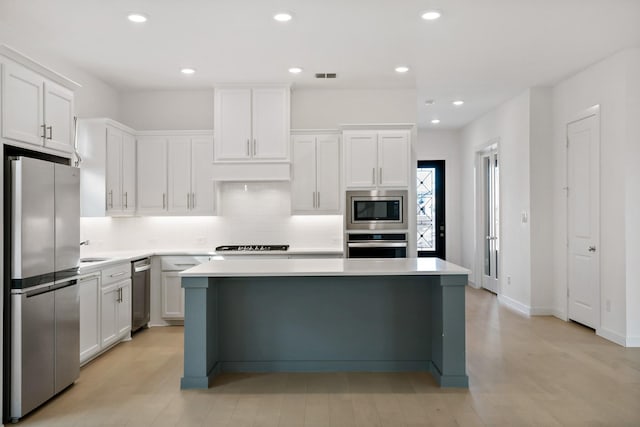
{"x": 633, "y": 341}
{"x": 612, "y": 336}
{"x": 514, "y": 305}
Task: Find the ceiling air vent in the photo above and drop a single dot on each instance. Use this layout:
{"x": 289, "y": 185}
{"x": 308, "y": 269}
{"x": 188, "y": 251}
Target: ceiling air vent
{"x": 326, "y": 75}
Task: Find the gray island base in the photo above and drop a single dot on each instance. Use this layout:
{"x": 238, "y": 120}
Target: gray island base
{"x": 318, "y": 315}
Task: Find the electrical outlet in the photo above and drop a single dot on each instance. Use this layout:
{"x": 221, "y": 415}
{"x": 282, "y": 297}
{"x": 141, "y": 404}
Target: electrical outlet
{"x": 508, "y": 280}
{"x": 608, "y": 306}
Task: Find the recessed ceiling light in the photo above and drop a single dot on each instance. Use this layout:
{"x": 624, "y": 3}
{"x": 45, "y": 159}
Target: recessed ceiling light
{"x": 283, "y": 17}
{"x": 402, "y": 69}
{"x": 435, "y": 121}
{"x": 137, "y": 17}
{"x": 458, "y": 103}
{"x": 431, "y": 15}
{"x": 295, "y": 70}
{"x": 429, "y": 102}
{"x": 187, "y": 70}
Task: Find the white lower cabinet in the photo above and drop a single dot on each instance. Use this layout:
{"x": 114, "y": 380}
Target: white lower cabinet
{"x": 105, "y": 309}
{"x": 172, "y": 293}
{"x": 172, "y": 296}
{"x": 89, "y": 316}
{"x": 116, "y": 312}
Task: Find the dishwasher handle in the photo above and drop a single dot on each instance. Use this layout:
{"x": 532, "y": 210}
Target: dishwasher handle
{"x": 141, "y": 265}
{"x": 141, "y": 268}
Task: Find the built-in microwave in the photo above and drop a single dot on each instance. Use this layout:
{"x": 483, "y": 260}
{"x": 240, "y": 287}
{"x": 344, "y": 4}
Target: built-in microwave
{"x": 377, "y": 210}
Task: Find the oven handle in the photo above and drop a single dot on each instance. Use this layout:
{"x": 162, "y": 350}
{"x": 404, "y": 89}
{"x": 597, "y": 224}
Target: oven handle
{"x": 377, "y": 245}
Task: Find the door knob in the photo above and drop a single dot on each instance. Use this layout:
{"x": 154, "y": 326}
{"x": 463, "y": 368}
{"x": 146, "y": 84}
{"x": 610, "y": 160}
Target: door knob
{"x": 592, "y": 248}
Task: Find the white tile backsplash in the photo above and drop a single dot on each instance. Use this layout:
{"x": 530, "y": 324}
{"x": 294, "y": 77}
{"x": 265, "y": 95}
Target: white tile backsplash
{"x": 162, "y": 233}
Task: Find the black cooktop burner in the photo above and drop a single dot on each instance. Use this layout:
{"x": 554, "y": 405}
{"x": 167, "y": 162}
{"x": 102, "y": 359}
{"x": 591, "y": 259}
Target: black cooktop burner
{"x": 251, "y": 248}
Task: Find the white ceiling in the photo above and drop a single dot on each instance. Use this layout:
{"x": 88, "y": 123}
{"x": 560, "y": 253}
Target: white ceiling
{"x": 483, "y": 51}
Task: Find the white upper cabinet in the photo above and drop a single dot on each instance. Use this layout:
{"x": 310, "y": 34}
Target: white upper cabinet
{"x": 393, "y": 159}
{"x": 152, "y": 174}
{"x": 108, "y": 168}
{"x": 22, "y": 104}
{"x": 377, "y": 159}
{"x": 328, "y": 168}
{"x": 361, "y": 155}
{"x": 270, "y": 124}
{"x": 36, "y": 110}
{"x": 128, "y": 173}
{"x": 179, "y": 174}
{"x": 315, "y": 185}
{"x": 202, "y": 185}
{"x": 190, "y": 183}
{"x": 58, "y": 117}
{"x": 252, "y": 124}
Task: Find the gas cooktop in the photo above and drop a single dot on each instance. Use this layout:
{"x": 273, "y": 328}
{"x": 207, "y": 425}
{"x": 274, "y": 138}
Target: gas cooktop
{"x": 251, "y": 248}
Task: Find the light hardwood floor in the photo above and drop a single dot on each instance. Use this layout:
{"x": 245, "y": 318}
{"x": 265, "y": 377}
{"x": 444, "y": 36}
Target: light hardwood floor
{"x": 523, "y": 372}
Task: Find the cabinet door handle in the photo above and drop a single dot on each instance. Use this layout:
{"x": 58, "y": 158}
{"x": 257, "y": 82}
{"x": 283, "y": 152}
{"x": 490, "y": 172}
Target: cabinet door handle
{"x": 255, "y": 150}
{"x": 126, "y": 200}
{"x": 110, "y": 204}
{"x": 44, "y": 131}
{"x": 164, "y": 200}
{"x": 314, "y": 199}
{"x": 248, "y": 144}
{"x": 50, "y": 128}
{"x": 373, "y": 175}
{"x": 318, "y": 204}
{"x": 193, "y": 200}
{"x": 188, "y": 201}
{"x": 380, "y": 176}
{"x": 117, "y": 274}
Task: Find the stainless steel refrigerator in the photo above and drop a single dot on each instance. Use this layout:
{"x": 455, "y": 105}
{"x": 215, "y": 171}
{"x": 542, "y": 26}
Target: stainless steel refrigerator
{"x": 45, "y": 253}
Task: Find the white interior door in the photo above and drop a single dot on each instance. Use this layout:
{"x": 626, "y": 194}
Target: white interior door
{"x": 491, "y": 219}
{"x": 583, "y": 148}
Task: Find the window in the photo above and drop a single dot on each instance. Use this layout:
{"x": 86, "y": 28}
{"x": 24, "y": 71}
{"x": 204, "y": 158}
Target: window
{"x": 430, "y": 209}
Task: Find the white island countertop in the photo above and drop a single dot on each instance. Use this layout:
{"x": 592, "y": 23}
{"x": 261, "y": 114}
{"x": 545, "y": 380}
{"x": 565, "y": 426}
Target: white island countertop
{"x": 324, "y": 267}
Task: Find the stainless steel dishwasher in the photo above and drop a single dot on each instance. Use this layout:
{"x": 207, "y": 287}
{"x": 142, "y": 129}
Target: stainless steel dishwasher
{"x": 140, "y": 293}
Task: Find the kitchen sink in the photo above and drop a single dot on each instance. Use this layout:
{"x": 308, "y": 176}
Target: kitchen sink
{"x": 88, "y": 260}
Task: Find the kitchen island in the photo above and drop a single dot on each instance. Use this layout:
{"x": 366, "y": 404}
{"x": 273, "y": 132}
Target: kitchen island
{"x": 312, "y": 315}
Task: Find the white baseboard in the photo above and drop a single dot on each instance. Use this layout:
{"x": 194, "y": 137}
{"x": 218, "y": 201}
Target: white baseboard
{"x": 548, "y": 311}
{"x": 612, "y": 336}
{"x": 542, "y": 311}
{"x": 514, "y": 305}
{"x": 633, "y": 341}
{"x": 473, "y": 285}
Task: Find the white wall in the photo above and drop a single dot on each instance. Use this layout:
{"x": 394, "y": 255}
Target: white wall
{"x": 509, "y": 124}
{"x": 327, "y": 108}
{"x": 168, "y": 110}
{"x": 445, "y": 145}
{"x": 94, "y": 99}
{"x": 310, "y": 108}
{"x": 604, "y": 83}
{"x": 633, "y": 201}
{"x": 541, "y": 203}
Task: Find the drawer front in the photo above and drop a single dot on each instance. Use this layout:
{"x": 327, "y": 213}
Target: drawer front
{"x": 116, "y": 273}
{"x": 181, "y": 263}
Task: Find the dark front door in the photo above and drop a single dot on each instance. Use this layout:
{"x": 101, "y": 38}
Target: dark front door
{"x": 431, "y": 215}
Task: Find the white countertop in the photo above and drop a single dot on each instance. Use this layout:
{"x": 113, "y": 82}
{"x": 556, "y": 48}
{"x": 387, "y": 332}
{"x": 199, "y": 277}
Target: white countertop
{"x": 115, "y": 257}
{"x": 325, "y": 267}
